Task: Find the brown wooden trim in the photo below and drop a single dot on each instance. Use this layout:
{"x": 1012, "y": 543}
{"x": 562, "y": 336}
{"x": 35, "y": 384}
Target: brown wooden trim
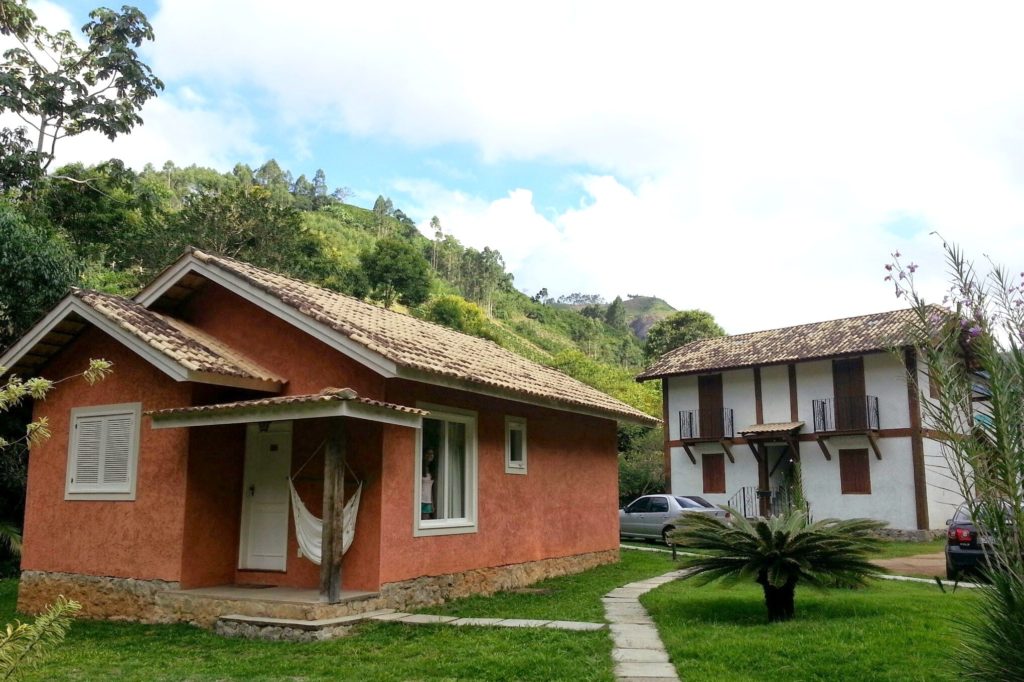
{"x": 667, "y": 429}
{"x": 811, "y": 437}
{"x": 794, "y": 409}
{"x": 873, "y": 440}
{"x": 916, "y": 440}
{"x": 689, "y": 453}
{"x": 824, "y": 448}
{"x": 753, "y": 449}
{"x": 758, "y": 404}
{"x": 763, "y": 479}
{"x": 728, "y": 449}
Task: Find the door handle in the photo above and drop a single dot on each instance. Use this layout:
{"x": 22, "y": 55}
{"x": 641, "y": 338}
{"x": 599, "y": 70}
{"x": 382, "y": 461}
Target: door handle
{"x": 252, "y": 491}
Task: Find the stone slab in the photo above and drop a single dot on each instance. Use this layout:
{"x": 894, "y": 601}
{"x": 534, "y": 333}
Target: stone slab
{"x": 637, "y": 642}
{"x": 639, "y": 629}
{"x": 646, "y": 670}
{"x": 298, "y": 624}
{"x": 522, "y": 623}
{"x": 477, "y": 621}
{"x": 394, "y": 615}
{"x": 638, "y": 619}
{"x": 426, "y": 619}
{"x": 639, "y": 656}
{"x": 575, "y": 626}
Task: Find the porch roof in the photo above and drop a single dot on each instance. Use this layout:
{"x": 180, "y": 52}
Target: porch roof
{"x": 330, "y": 402}
{"x": 771, "y": 429}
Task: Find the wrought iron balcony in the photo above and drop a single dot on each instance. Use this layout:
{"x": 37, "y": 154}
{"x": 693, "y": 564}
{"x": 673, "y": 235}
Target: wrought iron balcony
{"x": 855, "y": 413}
{"x": 706, "y": 424}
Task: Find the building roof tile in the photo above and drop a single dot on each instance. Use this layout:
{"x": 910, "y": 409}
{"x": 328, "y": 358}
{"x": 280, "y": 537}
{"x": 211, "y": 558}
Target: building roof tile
{"x": 847, "y": 336}
{"x": 424, "y": 346}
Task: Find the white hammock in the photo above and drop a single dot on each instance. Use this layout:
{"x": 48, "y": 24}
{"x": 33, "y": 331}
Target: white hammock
{"x": 309, "y": 529}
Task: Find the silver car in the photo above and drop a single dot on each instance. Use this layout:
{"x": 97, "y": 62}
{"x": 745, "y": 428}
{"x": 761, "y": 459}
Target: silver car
{"x": 653, "y": 517}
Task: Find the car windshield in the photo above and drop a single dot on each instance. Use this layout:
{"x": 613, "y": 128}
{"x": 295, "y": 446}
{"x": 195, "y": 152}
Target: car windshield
{"x": 694, "y": 503}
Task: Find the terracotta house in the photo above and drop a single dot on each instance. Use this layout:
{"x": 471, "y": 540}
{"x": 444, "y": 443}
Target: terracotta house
{"x": 163, "y": 493}
{"x": 741, "y": 411}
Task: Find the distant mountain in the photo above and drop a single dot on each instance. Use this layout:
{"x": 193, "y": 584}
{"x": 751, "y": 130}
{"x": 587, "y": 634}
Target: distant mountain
{"x": 643, "y": 311}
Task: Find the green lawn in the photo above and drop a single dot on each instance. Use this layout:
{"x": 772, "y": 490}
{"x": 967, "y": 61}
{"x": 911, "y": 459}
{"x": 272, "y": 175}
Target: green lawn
{"x": 379, "y": 651}
{"x": 572, "y": 597}
{"x": 889, "y": 631}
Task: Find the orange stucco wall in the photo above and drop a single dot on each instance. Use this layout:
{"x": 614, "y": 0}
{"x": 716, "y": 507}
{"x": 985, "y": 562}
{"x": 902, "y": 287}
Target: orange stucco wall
{"x": 566, "y": 503}
{"x": 140, "y": 538}
{"x": 308, "y": 364}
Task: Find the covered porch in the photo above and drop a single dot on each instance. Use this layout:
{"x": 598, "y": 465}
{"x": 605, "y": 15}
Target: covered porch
{"x": 253, "y": 466}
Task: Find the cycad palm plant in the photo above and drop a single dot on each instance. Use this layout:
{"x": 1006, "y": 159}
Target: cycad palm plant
{"x": 778, "y": 553}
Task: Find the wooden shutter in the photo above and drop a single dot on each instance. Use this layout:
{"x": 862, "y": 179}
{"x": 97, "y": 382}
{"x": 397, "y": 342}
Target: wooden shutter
{"x": 855, "y": 472}
{"x": 713, "y": 466}
{"x": 117, "y": 451}
{"x": 709, "y": 397}
{"x": 88, "y": 452}
{"x": 102, "y": 451}
{"x": 850, "y": 402}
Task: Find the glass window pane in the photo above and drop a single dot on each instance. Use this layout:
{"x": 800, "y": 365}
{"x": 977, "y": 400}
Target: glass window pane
{"x": 455, "y": 471}
{"x": 515, "y": 445}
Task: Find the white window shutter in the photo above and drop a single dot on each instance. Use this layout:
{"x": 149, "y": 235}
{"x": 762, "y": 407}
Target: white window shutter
{"x": 102, "y": 452}
{"x": 117, "y": 453}
{"x": 88, "y": 452}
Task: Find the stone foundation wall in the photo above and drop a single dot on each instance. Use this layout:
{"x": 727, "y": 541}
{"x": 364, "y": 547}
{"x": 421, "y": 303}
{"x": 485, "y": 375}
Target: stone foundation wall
{"x": 101, "y": 597}
{"x": 909, "y": 535}
{"x": 158, "y": 601}
{"x": 429, "y": 590}
{"x": 279, "y": 633}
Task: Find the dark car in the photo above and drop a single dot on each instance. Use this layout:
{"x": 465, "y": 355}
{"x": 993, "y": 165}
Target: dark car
{"x": 652, "y": 517}
{"x": 966, "y": 545}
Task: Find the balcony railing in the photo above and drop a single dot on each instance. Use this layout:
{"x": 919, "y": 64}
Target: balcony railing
{"x": 856, "y": 413}
{"x": 709, "y": 424}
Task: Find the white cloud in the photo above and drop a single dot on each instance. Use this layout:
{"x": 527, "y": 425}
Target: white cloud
{"x": 744, "y": 157}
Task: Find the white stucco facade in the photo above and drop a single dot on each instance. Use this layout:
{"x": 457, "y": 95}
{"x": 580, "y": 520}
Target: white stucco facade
{"x": 892, "y": 496}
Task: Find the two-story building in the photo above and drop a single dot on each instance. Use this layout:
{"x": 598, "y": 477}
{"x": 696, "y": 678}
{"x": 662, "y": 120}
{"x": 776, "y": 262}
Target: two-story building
{"x": 741, "y": 411}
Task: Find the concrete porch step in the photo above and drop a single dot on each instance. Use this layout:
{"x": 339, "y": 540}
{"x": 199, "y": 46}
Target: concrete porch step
{"x": 291, "y": 629}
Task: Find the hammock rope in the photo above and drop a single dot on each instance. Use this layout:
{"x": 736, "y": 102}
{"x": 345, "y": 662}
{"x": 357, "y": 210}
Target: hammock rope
{"x": 309, "y": 529}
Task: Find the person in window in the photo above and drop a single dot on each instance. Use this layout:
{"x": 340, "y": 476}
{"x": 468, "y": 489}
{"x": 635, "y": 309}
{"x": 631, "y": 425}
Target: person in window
{"x": 427, "y": 486}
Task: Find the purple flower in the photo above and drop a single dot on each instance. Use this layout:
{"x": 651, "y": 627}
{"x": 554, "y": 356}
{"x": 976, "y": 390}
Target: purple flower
{"x": 896, "y": 255}
{"x": 888, "y": 267}
{"x": 912, "y": 267}
{"x": 974, "y": 331}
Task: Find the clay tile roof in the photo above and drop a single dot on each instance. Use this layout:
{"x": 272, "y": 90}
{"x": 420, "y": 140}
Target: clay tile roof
{"x": 324, "y": 396}
{"x": 847, "y": 336}
{"x": 421, "y": 345}
{"x": 184, "y": 344}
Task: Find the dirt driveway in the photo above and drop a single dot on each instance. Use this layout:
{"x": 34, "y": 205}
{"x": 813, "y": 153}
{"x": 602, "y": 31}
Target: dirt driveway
{"x": 923, "y": 565}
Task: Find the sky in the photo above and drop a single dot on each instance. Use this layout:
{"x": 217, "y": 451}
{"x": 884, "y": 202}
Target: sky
{"x": 760, "y": 161}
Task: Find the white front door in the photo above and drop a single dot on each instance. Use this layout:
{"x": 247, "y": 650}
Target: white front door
{"x": 264, "y": 536}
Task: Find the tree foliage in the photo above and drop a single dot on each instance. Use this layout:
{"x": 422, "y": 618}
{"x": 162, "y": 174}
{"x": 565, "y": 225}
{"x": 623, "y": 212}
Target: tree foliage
{"x": 677, "y": 330}
{"x": 22, "y": 645}
{"x": 972, "y": 349}
{"x": 37, "y": 266}
{"x": 396, "y": 271}
{"x": 778, "y": 553}
{"x": 61, "y": 89}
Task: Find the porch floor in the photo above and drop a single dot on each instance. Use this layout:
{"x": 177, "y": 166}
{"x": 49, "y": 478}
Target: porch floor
{"x": 294, "y": 595}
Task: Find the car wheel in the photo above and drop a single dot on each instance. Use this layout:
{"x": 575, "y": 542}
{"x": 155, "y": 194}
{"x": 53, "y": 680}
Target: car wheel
{"x": 951, "y": 572}
{"x": 664, "y": 535}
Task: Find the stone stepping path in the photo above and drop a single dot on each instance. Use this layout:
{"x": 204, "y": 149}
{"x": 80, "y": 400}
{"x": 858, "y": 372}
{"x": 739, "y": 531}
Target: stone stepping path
{"x": 638, "y": 651}
{"x": 428, "y": 619}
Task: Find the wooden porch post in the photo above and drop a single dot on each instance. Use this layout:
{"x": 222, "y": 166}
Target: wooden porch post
{"x": 763, "y": 482}
{"x": 333, "y": 513}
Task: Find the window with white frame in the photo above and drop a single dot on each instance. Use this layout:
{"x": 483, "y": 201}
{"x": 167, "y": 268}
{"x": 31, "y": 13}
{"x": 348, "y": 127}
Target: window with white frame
{"x": 515, "y": 445}
{"x": 103, "y": 452}
{"x": 446, "y": 473}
